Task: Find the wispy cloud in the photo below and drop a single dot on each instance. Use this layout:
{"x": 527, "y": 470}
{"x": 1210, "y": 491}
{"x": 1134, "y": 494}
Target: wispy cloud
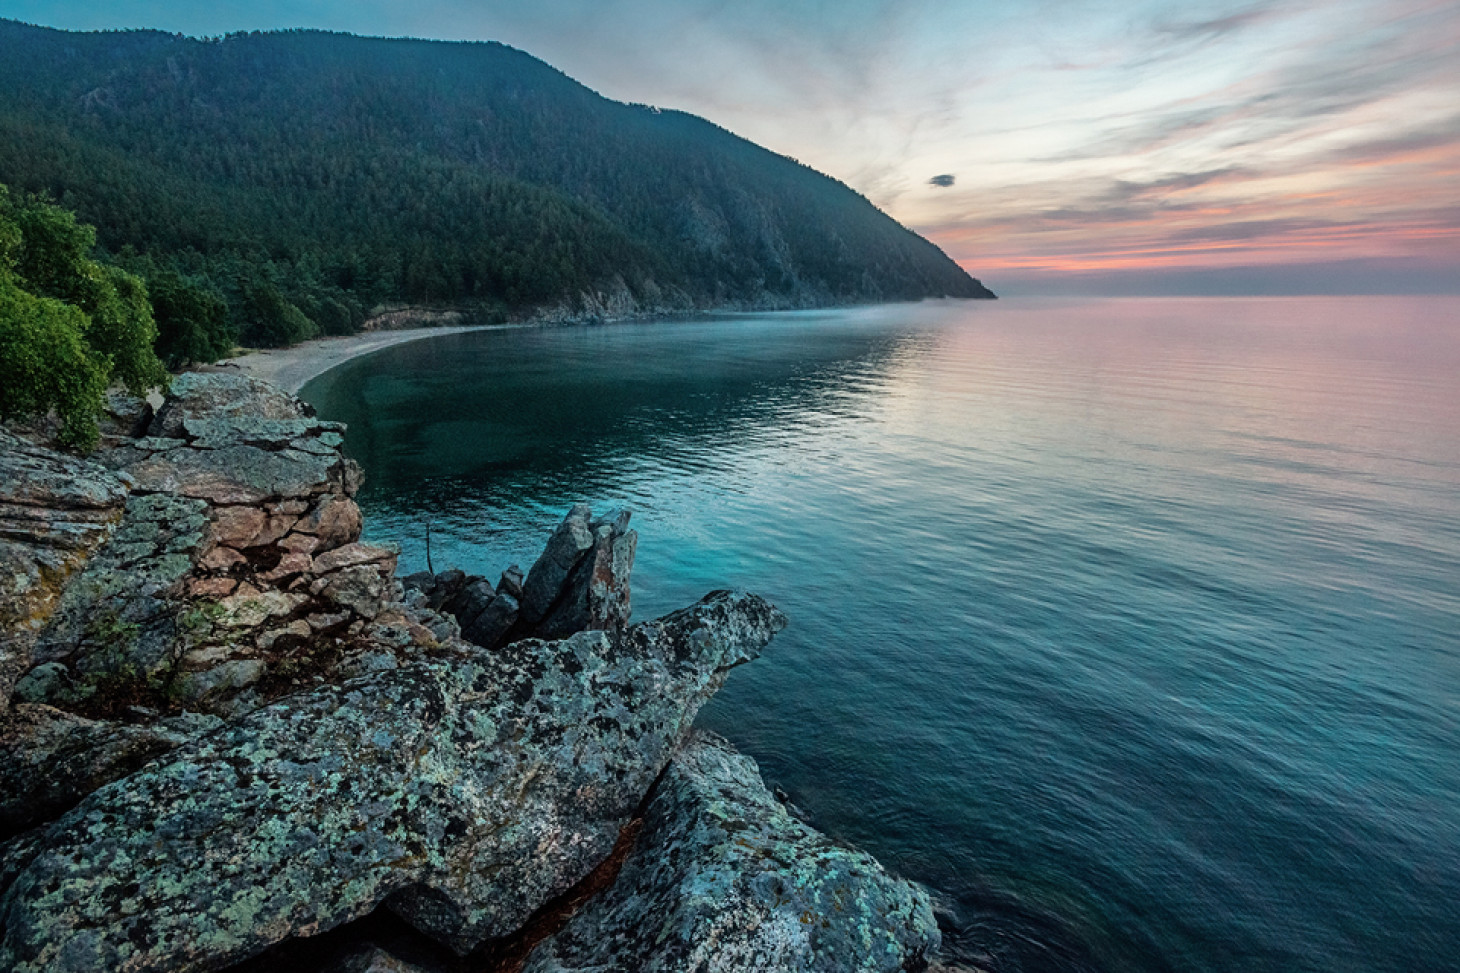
{"x": 1086, "y": 138}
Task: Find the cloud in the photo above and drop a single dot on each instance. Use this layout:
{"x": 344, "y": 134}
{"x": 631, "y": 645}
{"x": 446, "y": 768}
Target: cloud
{"x": 943, "y": 181}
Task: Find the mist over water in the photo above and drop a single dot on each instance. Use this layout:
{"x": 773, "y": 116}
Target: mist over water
{"x": 1131, "y": 627}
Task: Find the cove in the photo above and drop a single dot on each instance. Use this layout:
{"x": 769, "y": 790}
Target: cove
{"x": 1130, "y": 627}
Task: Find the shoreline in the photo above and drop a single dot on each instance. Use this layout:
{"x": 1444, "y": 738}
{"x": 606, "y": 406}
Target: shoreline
{"x": 293, "y": 367}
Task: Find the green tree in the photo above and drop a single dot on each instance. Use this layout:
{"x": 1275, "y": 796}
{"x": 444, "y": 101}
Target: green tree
{"x": 68, "y": 325}
{"x": 192, "y": 321}
{"x": 45, "y": 363}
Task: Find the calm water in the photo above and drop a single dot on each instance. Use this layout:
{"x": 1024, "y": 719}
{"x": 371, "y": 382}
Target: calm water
{"x": 1132, "y": 627}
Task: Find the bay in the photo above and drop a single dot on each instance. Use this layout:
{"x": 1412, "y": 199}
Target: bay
{"x": 1129, "y": 626}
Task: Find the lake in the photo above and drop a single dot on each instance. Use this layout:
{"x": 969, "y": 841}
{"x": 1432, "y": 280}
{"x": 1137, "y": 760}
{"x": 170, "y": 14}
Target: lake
{"x": 1129, "y": 626}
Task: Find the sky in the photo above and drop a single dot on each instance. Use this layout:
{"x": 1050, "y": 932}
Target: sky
{"x": 1049, "y": 146}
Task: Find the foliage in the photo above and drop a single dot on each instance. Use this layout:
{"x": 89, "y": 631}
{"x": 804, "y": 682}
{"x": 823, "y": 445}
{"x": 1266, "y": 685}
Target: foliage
{"x": 303, "y": 174}
{"x": 68, "y": 324}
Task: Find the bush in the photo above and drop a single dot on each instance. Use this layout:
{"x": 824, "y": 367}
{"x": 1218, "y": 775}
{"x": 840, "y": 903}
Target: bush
{"x": 68, "y": 325}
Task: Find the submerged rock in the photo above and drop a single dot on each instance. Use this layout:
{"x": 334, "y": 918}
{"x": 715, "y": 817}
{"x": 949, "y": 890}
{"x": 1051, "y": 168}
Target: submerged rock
{"x": 724, "y": 879}
{"x": 465, "y": 792}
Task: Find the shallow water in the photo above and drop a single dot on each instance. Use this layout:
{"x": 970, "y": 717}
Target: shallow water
{"x": 1132, "y": 627}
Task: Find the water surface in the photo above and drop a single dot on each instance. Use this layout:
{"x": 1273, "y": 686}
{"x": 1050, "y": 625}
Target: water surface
{"x": 1131, "y": 627}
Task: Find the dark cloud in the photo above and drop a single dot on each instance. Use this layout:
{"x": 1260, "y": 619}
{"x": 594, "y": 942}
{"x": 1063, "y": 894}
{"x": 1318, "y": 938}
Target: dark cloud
{"x": 943, "y": 181}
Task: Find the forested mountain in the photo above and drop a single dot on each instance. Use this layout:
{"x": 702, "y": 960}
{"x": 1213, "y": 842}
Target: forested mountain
{"x": 327, "y": 174}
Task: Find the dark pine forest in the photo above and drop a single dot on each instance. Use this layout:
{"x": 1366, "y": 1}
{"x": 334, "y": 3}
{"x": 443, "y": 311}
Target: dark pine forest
{"x": 300, "y": 179}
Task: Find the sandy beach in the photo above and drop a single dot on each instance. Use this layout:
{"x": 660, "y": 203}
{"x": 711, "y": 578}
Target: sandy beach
{"x": 291, "y": 368}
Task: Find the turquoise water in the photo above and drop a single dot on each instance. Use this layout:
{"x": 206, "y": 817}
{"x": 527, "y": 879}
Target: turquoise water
{"x": 1131, "y": 627}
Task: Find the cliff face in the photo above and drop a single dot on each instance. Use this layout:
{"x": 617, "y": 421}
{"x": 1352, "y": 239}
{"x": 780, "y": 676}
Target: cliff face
{"x": 228, "y": 728}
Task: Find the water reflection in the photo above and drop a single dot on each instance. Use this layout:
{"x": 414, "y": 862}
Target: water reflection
{"x": 1129, "y": 626}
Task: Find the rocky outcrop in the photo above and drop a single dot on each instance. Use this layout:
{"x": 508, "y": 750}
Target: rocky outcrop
{"x": 231, "y": 728}
{"x": 55, "y": 510}
{"x": 466, "y": 792}
{"x": 724, "y": 878}
{"x": 579, "y": 583}
{"x": 235, "y": 573}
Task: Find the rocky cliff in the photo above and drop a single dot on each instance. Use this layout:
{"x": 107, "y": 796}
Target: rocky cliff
{"x": 231, "y": 737}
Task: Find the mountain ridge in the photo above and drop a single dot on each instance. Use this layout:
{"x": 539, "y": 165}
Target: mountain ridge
{"x": 337, "y": 173}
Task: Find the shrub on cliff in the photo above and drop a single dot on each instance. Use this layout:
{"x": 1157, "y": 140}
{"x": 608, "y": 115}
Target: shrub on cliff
{"x": 68, "y": 324}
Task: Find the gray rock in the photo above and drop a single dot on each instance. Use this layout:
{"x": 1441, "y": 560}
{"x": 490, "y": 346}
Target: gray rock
{"x": 115, "y": 628}
{"x": 595, "y": 595}
{"x": 564, "y": 549}
{"x": 493, "y": 624}
{"x": 723, "y": 879}
{"x": 215, "y": 395}
{"x": 468, "y": 603}
{"x": 361, "y": 589}
{"x": 55, "y": 512}
{"x": 228, "y": 474}
{"x": 511, "y": 582}
{"x": 50, "y": 760}
{"x": 467, "y": 791}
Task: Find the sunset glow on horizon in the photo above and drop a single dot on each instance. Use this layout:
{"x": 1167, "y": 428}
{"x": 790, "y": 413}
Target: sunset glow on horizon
{"x": 1047, "y": 146}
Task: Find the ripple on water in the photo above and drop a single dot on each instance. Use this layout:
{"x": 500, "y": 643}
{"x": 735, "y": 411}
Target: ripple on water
{"x": 1128, "y": 626}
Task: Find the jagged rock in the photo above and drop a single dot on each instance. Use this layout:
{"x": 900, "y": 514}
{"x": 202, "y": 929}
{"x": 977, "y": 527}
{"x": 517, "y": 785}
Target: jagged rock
{"x": 55, "y": 511}
{"x": 511, "y": 582}
{"x": 124, "y": 416}
{"x": 493, "y": 623}
{"x": 595, "y": 595}
{"x": 470, "y": 601}
{"x": 116, "y": 626}
{"x": 723, "y": 878}
{"x": 217, "y": 396}
{"x": 50, "y": 759}
{"x": 564, "y": 548}
{"x": 362, "y": 589}
{"x": 237, "y": 474}
{"x": 466, "y": 790}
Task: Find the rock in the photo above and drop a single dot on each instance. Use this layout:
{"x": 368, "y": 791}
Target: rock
{"x": 493, "y": 624}
{"x": 236, "y": 474}
{"x": 361, "y": 589}
{"x": 50, "y": 760}
{"x": 116, "y": 625}
{"x": 217, "y": 396}
{"x": 420, "y": 581}
{"x": 195, "y": 688}
{"x": 468, "y": 603}
{"x": 124, "y": 416}
{"x": 467, "y": 791}
{"x": 211, "y": 588}
{"x": 334, "y": 519}
{"x": 299, "y": 543}
{"x": 289, "y": 566}
{"x": 221, "y": 559}
{"x": 595, "y": 596}
{"x": 722, "y": 878}
{"x": 511, "y": 582}
{"x": 55, "y": 512}
{"x": 352, "y": 555}
{"x": 237, "y": 526}
{"x": 567, "y": 544}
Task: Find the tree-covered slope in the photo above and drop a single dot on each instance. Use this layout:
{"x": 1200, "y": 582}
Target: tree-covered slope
{"x": 338, "y": 172}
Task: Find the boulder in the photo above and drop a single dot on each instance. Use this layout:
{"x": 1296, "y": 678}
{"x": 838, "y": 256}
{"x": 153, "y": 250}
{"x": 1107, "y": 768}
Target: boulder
{"x": 564, "y": 549}
{"x": 595, "y": 594}
{"x": 723, "y": 878}
{"x": 50, "y": 759}
{"x": 216, "y": 395}
{"x": 465, "y": 791}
